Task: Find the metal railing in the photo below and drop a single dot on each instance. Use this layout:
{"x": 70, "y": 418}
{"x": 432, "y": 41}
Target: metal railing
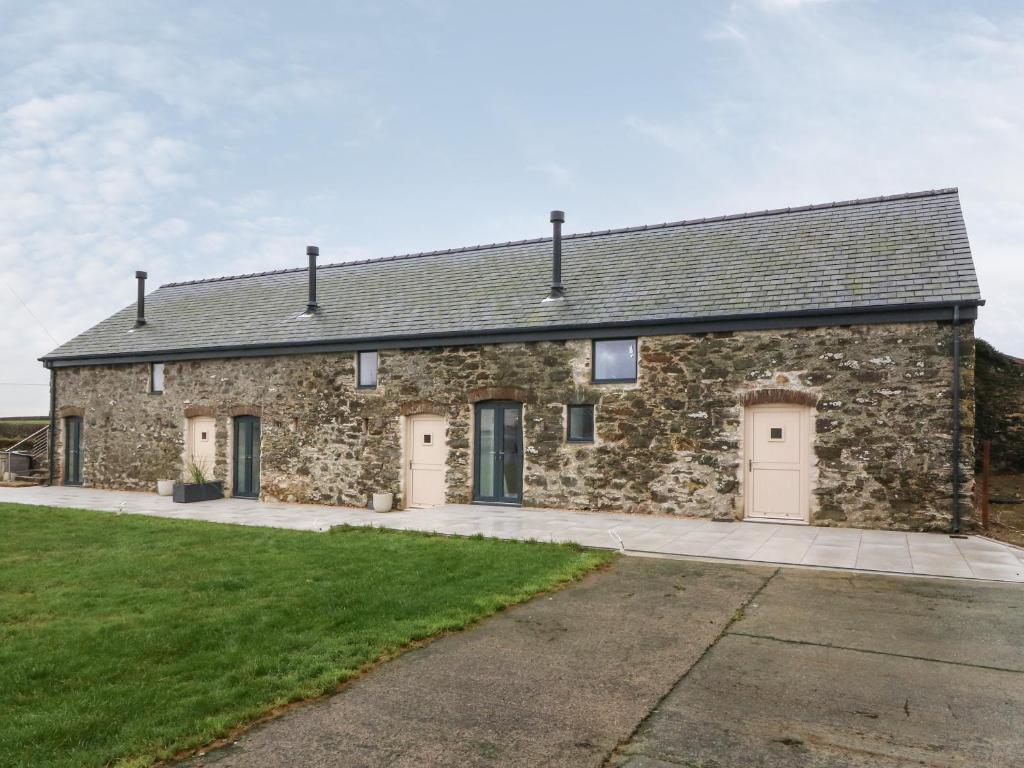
{"x": 37, "y": 443}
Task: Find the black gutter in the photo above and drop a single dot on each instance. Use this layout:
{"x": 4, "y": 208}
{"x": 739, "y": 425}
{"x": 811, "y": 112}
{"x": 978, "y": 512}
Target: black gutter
{"x": 905, "y": 313}
{"x": 957, "y": 438}
{"x": 51, "y": 448}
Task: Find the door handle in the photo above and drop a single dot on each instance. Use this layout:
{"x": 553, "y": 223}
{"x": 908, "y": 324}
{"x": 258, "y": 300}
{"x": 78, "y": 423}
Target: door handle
{"x": 750, "y": 465}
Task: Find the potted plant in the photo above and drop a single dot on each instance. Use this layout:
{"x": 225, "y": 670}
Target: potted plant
{"x": 165, "y": 487}
{"x": 198, "y": 486}
{"x": 383, "y": 501}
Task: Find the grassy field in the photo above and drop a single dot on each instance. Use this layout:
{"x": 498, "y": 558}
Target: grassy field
{"x": 125, "y": 639}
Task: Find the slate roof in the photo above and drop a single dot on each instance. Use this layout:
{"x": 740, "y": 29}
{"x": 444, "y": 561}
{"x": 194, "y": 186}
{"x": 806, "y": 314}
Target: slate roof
{"x": 894, "y": 251}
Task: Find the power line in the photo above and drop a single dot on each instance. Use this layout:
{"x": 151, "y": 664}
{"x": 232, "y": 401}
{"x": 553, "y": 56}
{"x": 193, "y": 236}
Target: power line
{"x": 29, "y": 310}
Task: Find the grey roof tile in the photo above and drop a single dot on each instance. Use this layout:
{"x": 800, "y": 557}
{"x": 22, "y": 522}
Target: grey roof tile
{"x": 904, "y": 249}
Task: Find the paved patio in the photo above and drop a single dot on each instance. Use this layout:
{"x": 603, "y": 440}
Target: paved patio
{"x": 923, "y": 554}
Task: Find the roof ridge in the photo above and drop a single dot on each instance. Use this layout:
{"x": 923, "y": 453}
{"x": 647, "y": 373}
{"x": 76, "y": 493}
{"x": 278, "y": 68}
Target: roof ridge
{"x": 579, "y": 235}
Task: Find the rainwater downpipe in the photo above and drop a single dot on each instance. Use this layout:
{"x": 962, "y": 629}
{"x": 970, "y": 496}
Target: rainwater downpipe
{"x": 51, "y": 447}
{"x": 956, "y": 420}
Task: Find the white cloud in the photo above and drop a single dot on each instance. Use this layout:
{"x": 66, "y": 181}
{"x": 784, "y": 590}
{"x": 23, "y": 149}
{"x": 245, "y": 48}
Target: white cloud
{"x": 557, "y": 174}
{"x": 98, "y": 172}
{"x": 833, "y": 109}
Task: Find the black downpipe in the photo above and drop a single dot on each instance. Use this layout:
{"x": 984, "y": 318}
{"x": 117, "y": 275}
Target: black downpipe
{"x": 312, "y": 252}
{"x": 956, "y": 419}
{"x": 51, "y": 449}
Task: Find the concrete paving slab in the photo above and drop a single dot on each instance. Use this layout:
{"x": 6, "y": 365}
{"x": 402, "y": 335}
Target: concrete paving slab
{"x": 929, "y": 554}
{"x": 841, "y": 555}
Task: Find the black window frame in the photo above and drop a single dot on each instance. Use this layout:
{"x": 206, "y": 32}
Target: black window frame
{"x": 593, "y": 361}
{"x": 152, "y": 378}
{"x": 359, "y": 369}
{"x": 588, "y": 407}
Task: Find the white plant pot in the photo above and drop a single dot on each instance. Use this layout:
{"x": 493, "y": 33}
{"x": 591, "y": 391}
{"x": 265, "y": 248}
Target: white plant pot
{"x": 165, "y": 487}
{"x": 382, "y": 502}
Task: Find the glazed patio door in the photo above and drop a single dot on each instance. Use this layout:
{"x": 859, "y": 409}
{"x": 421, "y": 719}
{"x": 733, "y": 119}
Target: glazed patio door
{"x": 498, "y": 471}
{"x": 73, "y": 450}
{"x": 246, "y": 472}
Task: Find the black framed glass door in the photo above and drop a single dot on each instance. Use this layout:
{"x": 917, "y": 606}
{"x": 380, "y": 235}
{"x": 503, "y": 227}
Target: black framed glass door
{"x": 245, "y": 478}
{"x": 498, "y": 470}
{"x": 73, "y": 450}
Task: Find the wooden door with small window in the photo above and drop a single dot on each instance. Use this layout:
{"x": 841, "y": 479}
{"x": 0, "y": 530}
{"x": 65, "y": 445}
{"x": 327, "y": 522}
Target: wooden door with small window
{"x": 427, "y": 454}
{"x": 202, "y": 448}
{"x": 777, "y": 462}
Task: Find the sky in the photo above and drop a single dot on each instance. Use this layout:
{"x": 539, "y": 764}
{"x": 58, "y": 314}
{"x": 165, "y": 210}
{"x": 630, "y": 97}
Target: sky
{"x": 201, "y": 139}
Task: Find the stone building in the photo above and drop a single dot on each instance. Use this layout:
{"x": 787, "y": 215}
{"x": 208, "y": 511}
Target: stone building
{"x": 801, "y": 364}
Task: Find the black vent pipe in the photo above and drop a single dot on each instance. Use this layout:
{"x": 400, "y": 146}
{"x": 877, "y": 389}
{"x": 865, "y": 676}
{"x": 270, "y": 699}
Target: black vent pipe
{"x": 557, "y": 289}
{"x": 140, "y": 307}
{"x": 311, "y": 306}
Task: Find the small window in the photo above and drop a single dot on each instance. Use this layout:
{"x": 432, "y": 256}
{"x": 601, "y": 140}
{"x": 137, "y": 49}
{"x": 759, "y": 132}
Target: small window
{"x": 427, "y": 439}
{"x": 581, "y": 424}
{"x": 775, "y": 433}
{"x": 204, "y": 436}
{"x": 614, "y": 360}
{"x": 367, "y": 370}
{"x": 156, "y": 378}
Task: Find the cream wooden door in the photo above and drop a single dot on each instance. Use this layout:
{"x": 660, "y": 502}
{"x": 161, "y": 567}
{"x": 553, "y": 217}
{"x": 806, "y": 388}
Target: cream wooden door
{"x": 777, "y": 462}
{"x": 201, "y": 444}
{"x": 427, "y": 453}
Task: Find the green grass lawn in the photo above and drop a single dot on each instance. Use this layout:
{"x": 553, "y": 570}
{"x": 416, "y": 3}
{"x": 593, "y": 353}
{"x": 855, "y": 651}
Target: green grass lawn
{"x": 124, "y": 639}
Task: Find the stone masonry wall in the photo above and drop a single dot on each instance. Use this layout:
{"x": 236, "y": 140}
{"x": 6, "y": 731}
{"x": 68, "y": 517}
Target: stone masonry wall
{"x": 669, "y": 443}
{"x": 1000, "y": 407}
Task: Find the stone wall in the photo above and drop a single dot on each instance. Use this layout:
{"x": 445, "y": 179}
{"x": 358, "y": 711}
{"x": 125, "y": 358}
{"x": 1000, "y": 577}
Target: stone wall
{"x": 1001, "y": 407}
{"x": 669, "y": 443}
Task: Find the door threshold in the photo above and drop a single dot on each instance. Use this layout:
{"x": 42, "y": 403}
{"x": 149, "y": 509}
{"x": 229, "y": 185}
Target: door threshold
{"x": 496, "y": 503}
{"x": 775, "y": 521}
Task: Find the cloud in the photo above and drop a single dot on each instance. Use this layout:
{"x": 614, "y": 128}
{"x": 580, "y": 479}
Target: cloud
{"x": 725, "y": 31}
{"x": 558, "y": 175}
{"x": 100, "y": 174}
{"x": 787, "y": 5}
{"x": 837, "y": 108}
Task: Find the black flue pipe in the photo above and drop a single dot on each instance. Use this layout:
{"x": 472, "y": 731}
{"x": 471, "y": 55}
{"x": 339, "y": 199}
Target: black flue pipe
{"x": 140, "y": 306}
{"x": 312, "y": 252}
{"x": 557, "y": 289}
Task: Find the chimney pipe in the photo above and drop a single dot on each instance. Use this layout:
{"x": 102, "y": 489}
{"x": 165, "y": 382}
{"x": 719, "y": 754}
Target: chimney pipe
{"x": 557, "y": 289}
{"x": 140, "y": 306}
{"x": 311, "y": 306}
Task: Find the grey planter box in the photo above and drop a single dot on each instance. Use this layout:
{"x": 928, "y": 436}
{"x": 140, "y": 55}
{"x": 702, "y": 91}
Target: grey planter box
{"x": 185, "y": 493}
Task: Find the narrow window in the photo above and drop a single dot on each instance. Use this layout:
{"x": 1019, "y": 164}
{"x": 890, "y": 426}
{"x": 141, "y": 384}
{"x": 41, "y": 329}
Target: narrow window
{"x": 367, "y": 373}
{"x": 775, "y": 433}
{"x": 581, "y": 424}
{"x": 614, "y": 360}
{"x": 156, "y": 378}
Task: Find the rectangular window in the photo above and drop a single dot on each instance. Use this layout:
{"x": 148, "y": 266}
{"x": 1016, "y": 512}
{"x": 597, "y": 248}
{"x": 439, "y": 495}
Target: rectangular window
{"x": 156, "y": 378}
{"x": 367, "y": 370}
{"x": 581, "y": 424}
{"x": 614, "y": 360}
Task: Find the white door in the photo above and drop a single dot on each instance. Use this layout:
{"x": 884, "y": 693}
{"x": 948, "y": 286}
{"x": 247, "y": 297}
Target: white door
{"x": 427, "y": 451}
{"x": 201, "y": 444}
{"x": 777, "y": 461}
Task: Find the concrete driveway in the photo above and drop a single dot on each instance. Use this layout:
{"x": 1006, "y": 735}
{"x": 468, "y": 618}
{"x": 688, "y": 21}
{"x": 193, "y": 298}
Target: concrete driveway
{"x": 661, "y": 663}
